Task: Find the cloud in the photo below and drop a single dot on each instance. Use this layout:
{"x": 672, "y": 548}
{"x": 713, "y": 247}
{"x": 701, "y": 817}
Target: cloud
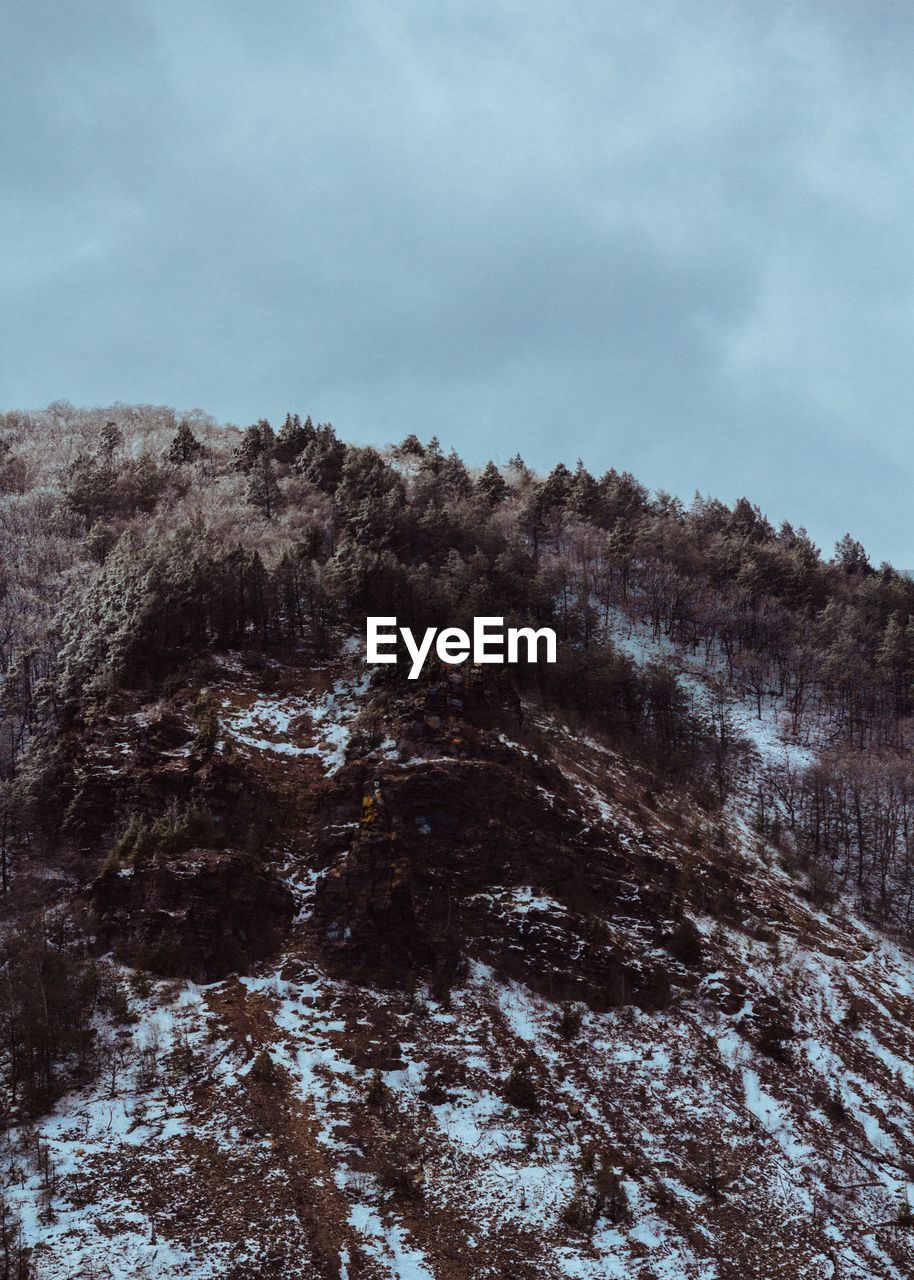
{"x": 674, "y": 239}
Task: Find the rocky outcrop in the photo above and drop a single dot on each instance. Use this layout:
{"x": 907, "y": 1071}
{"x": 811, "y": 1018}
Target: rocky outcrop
{"x": 201, "y": 915}
{"x": 489, "y": 857}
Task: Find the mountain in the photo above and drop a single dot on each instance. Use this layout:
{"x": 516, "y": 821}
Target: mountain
{"x": 593, "y": 969}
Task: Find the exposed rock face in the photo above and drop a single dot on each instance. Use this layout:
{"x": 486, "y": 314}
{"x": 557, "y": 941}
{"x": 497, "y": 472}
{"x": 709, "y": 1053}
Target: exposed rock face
{"x": 200, "y": 916}
{"x": 487, "y": 855}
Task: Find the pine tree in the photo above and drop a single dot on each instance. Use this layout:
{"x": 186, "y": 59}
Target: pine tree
{"x": 556, "y": 488}
{"x": 851, "y": 556}
{"x": 293, "y": 437}
{"x": 895, "y": 661}
{"x": 454, "y": 476}
{"x": 492, "y": 484}
{"x": 321, "y": 461}
{"x": 518, "y": 471}
{"x": 185, "y": 447}
{"x": 257, "y": 441}
{"x": 410, "y": 447}
{"x": 583, "y": 493}
{"x": 621, "y": 497}
{"x": 262, "y": 491}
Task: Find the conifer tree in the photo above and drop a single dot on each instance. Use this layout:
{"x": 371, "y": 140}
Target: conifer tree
{"x": 262, "y": 491}
{"x": 185, "y": 447}
{"x": 851, "y": 556}
{"x": 454, "y": 476}
{"x": 895, "y": 661}
{"x": 321, "y": 460}
{"x": 556, "y": 488}
{"x": 492, "y": 484}
{"x": 583, "y": 493}
{"x": 411, "y": 447}
{"x": 258, "y": 440}
{"x": 293, "y": 437}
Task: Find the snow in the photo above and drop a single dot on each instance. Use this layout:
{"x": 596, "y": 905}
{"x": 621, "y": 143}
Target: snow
{"x": 768, "y": 733}
{"x": 317, "y": 725}
{"x": 659, "y": 1090}
{"x": 93, "y": 1126}
{"x": 388, "y": 1246}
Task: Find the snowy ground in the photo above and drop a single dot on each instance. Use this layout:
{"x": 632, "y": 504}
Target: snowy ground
{"x": 234, "y": 1124}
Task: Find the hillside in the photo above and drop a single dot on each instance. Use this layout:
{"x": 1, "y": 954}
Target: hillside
{"x": 596, "y": 970}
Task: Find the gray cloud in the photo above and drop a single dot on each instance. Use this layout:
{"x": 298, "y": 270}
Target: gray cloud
{"x": 670, "y": 238}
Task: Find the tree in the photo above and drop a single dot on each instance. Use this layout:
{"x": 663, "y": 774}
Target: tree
{"x": 851, "y": 557}
{"x": 518, "y": 472}
{"x": 621, "y": 497}
{"x": 185, "y": 447}
{"x": 262, "y": 491}
{"x": 321, "y": 460}
{"x": 294, "y": 436}
{"x": 895, "y": 661}
{"x": 110, "y": 440}
{"x": 256, "y": 441}
{"x": 410, "y": 447}
{"x": 454, "y": 476}
{"x": 556, "y": 488}
{"x": 491, "y": 484}
{"x": 583, "y": 493}
{"x": 90, "y": 489}
{"x": 369, "y": 496}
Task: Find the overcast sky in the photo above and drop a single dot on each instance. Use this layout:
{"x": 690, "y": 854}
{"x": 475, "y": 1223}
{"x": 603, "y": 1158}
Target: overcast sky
{"x": 676, "y": 238}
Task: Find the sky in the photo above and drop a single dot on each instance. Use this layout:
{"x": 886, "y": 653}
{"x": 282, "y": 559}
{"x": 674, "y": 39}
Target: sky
{"x": 673, "y": 238}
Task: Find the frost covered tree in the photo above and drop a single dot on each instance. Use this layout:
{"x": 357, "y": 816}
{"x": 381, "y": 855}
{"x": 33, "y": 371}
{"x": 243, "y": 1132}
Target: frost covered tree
{"x": 110, "y": 440}
{"x": 262, "y": 490}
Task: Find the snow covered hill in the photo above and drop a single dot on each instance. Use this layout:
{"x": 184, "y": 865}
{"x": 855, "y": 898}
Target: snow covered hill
{"x": 657, "y": 1055}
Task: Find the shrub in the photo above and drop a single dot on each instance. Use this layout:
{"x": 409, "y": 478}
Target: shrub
{"x": 685, "y": 943}
{"x": 519, "y": 1088}
{"x": 774, "y": 1036}
{"x": 165, "y": 837}
{"x": 263, "y": 1069}
{"x": 204, "y": 716}
{"x": 569, "y": 1023}
{"x": 853, "y": 1014}
{"x": 574, "y": 1213}
{"x": 376, "y": 1093}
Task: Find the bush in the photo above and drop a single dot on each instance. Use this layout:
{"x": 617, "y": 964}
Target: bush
{"x": 377, "y": 1092}
{"x": 206, "y": 721}
{"x": 685, "y": 943}
{"x": 519, "y": 1088}
{"x": 611, "y": 1198}
{"x": 574, "y": 1213}
{"x": 569, "y": 1023}
{"x": 834, "y": 1106}
{"x": 263, "y": 1069}
{"x": 774, "y": 1036}
{"x": 656, "y": 992}
{"x": 168, "y": 836}
{"x": 853, "y": 1014}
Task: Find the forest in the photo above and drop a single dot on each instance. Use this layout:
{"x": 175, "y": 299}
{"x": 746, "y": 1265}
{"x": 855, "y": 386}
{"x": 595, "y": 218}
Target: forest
{"x": 147, "y": 553}
{"x": 136, "y": 541}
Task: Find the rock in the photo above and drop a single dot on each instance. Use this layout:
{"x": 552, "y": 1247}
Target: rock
{"x": 200, "y": 915}
{"x": 483, "y": 857}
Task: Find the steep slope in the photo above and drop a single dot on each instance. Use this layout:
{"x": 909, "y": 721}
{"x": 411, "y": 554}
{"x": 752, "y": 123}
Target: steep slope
{"x": 531, "y": 1011}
